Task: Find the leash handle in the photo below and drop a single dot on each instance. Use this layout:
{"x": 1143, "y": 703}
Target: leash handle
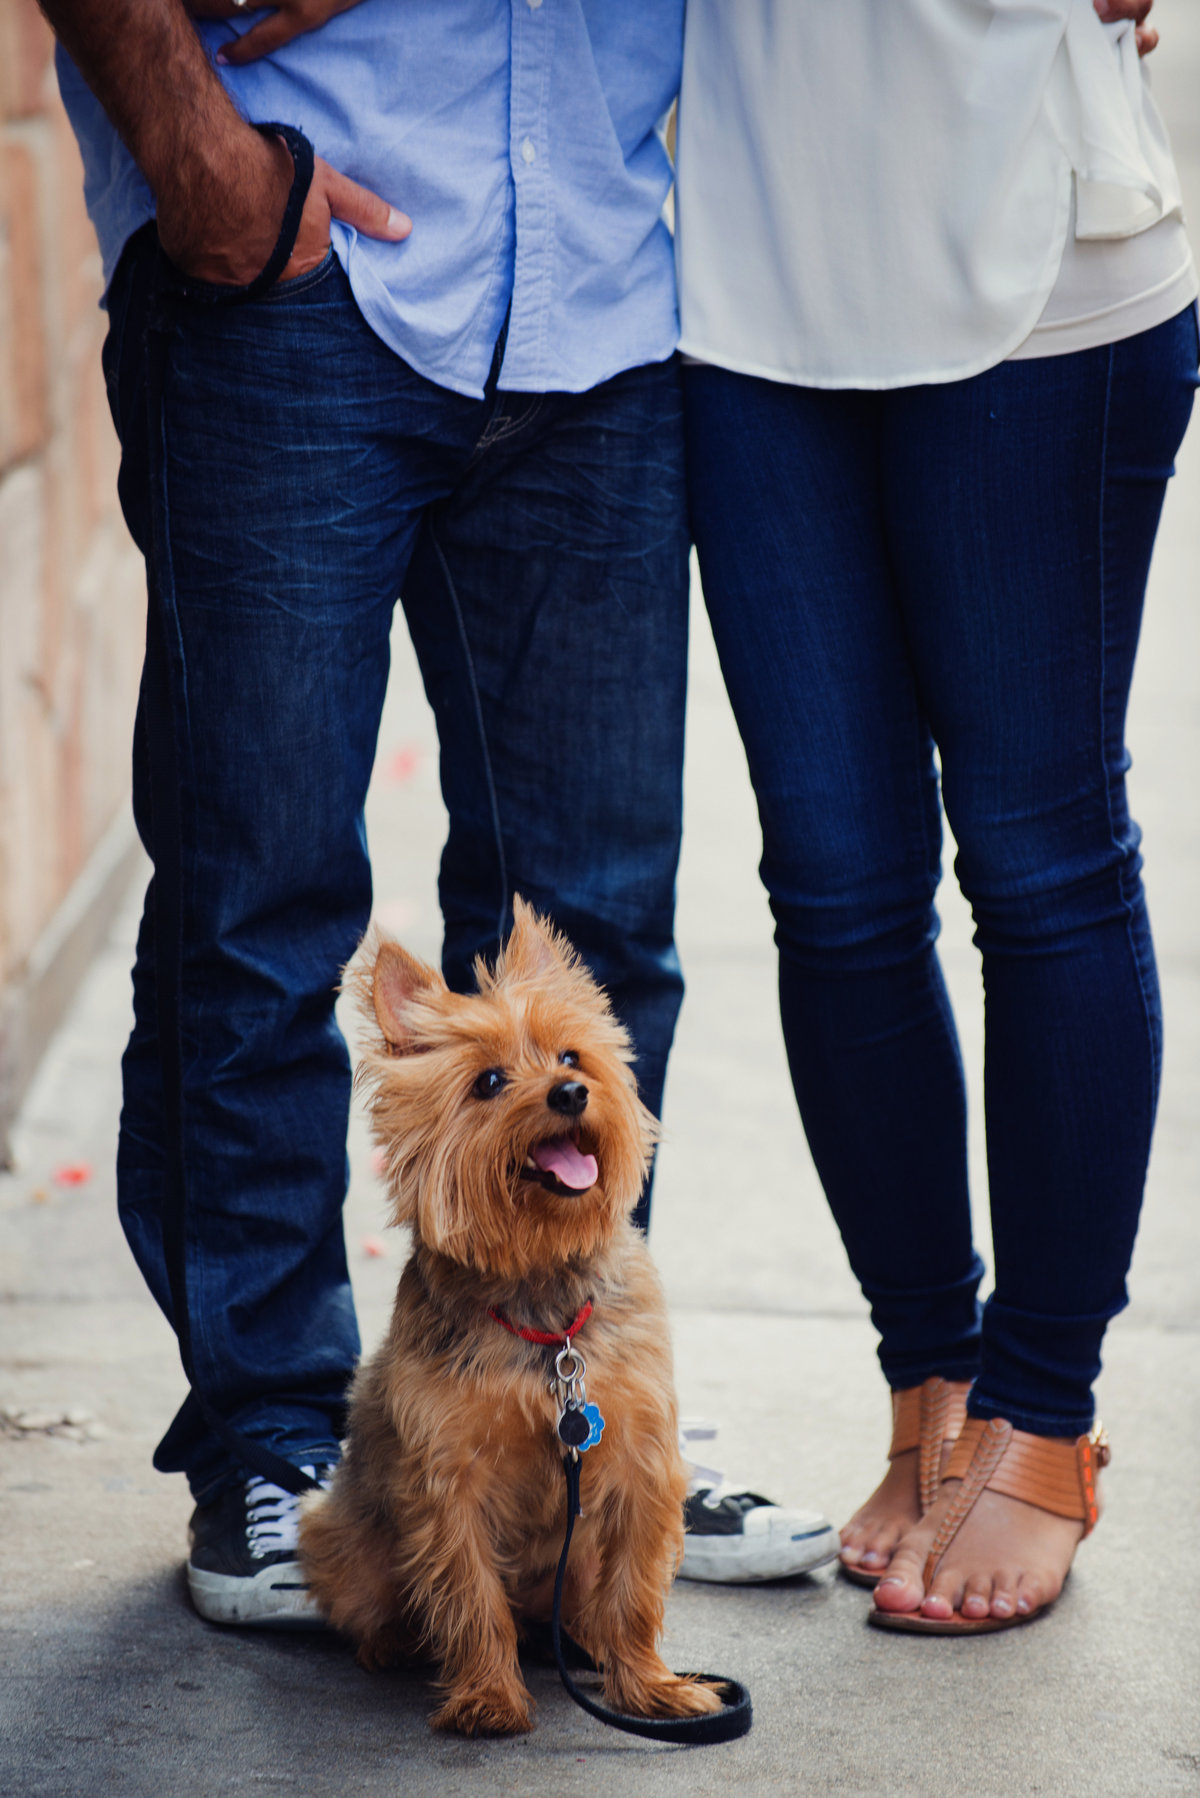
{"x": 726, "y": 1725}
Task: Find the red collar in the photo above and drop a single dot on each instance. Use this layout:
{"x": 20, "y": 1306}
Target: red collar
{"x": 547, "y": 1339}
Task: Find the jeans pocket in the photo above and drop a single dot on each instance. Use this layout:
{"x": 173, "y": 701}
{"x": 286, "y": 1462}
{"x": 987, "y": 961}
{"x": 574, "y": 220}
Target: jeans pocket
{"x": 125, "y": 302}
{"x": 216, "y": 293}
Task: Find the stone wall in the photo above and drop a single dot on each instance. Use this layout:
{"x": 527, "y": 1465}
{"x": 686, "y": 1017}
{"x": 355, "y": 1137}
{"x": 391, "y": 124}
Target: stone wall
{"x": 71, "y": 591}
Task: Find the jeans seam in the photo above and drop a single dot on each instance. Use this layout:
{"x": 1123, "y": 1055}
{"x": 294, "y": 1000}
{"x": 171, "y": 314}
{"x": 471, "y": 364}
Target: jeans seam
{"x": 162, "y": 593}
{"x": 1126, "y": 906}
{"x": 477, "y": 707}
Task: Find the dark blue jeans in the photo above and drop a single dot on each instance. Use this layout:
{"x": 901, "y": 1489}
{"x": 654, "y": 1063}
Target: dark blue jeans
{"x": 287, "y": 477}
{"x": 958, "y": 568}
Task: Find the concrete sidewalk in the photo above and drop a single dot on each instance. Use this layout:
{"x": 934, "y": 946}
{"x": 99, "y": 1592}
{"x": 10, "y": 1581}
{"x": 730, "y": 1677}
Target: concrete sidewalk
{"x": 111, "y": 1686}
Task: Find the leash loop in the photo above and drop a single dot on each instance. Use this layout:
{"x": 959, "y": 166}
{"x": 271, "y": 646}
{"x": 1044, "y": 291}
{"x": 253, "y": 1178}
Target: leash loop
{"x": 725, "y": 1725}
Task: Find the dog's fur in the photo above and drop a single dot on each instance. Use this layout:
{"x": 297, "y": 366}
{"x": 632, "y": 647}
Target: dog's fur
{"x": 445, "y": 1519}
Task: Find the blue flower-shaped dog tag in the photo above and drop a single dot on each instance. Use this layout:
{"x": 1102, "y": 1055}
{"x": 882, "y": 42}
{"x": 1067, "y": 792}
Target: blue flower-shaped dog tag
{"x": 592, "y": 1413}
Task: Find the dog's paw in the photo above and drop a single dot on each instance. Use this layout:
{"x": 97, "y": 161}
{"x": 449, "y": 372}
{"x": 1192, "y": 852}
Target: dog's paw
{"x": 497, "y": 1711}
{"x": 669, "y": 1697}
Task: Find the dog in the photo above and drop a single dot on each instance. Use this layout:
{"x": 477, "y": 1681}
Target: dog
{"x": 515, "y": 1147}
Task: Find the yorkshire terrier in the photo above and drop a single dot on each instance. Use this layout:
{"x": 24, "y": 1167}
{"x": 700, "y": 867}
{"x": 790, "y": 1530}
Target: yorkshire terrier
{"x": 515, "y": 1146}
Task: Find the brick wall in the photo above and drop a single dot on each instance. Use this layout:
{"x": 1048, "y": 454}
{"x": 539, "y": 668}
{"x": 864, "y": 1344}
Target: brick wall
{"x": 71, "y": 595}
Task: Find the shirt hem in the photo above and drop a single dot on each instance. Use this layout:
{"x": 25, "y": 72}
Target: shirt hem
{"x": 1113, "y": 324}
{"x": 919, "y": 377}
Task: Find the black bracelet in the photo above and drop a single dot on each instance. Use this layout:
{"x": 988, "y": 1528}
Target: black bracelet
{"x": 302, "y": 174}
{"x": 213, "y": 293}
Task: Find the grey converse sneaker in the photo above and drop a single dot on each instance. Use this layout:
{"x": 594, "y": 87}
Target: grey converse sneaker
{"x": 735, "y": 1537}
{"x": 242, "y": 1567}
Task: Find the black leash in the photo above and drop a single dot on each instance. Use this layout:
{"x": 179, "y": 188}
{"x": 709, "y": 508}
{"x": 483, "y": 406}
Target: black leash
{"x": 725, "y": 1725}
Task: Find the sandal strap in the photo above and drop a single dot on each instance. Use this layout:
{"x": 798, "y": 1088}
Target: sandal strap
{"x": 1054, "y": 1473}
{"x": 987, "y": 1443}
{"x": 925, "y": 1417}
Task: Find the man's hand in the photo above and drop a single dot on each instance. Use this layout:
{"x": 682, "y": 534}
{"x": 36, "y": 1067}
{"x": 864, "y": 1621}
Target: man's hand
{"x": 335, "y": 196}
{"x": 285, "y": 20}
{"x": 1112, "y": 10}
{"x": 220, "y": 186}
{"x": 229, "y": 238}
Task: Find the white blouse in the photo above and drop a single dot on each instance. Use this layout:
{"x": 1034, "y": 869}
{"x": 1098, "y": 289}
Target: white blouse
{"x": 879, "y": 193}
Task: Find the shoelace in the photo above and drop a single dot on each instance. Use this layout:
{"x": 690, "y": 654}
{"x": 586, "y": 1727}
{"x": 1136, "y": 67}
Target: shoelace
{"x": 273, "y": 1515}
{"x": 709, "y": 1484}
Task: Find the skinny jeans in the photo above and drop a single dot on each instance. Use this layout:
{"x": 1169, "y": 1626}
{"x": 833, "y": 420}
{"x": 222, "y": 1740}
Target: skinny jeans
{"x": 952, "y": 577}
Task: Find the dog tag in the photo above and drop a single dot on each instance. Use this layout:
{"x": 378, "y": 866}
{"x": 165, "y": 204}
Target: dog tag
{"x": 574, "y": 1426}
{"x": 595, "y": 1426}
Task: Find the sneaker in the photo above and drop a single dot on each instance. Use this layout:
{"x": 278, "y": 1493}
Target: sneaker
{"x": 735, "y": 1537}
{"x": 242, "y": 1567}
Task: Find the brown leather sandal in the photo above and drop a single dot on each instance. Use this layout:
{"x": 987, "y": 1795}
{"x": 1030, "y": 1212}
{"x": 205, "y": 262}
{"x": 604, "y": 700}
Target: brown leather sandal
{"x": 923, "y": 1417}
{"x": 1056, "y": 1475}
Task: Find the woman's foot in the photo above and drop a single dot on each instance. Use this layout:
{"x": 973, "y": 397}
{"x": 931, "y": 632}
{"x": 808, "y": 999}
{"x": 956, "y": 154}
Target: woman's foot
{"x": 926, "y": 1420}
{"x": 1008, "y": 1560}
{"x": 892, "y": 1510}
{"x": 998, "y": 1543}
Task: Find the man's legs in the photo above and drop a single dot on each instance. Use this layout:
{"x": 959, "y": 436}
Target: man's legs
{"x": 276, "y": 496}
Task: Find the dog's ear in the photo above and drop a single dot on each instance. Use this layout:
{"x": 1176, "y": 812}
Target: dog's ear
{"x": 534, "y": 946}
{"x": 397, "y": 978}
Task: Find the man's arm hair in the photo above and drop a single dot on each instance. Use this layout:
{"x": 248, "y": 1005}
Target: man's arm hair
{"x": 219, "y": 186}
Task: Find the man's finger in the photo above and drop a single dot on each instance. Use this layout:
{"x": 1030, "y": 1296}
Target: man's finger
{"x": 269, "y": 34}
{"x": 359, "y": 207}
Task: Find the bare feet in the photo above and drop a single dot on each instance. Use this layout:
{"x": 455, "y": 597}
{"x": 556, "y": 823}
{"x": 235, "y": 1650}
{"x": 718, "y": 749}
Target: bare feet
{"x": 1008, "y": 1560}
{"x": 892, "y": 1510}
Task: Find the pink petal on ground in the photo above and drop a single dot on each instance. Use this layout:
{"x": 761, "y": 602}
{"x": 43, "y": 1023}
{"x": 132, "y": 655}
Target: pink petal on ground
{"x": 402, "y": 764}
{"x": 73, "y": 1173}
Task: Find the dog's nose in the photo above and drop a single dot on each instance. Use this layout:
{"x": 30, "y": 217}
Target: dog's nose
{"x": 569, "y": 1097}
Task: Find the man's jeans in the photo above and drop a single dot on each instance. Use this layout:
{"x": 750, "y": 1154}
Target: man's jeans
{"x": 287, "y": 477}
{"x": 961, "y": 565}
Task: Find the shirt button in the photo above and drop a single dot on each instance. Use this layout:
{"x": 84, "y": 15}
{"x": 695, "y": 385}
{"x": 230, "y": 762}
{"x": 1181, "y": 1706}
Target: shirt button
{"x": 527, "y": 150}
{"x": 533, "y": 4}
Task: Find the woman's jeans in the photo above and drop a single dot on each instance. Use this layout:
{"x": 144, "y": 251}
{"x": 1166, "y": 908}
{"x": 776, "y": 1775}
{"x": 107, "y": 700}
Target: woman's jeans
{"x": 287, "y": 477}
{"x": 956, "y": 569}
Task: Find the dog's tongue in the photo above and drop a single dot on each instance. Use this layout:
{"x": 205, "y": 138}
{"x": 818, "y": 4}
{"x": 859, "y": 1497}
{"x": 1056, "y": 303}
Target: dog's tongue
{"x": 561, "y": 1158}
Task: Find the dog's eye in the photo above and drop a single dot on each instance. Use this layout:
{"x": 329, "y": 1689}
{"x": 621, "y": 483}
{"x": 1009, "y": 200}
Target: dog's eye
{"x": 489, "y": 1083}
{"x": 569, "y": 1058}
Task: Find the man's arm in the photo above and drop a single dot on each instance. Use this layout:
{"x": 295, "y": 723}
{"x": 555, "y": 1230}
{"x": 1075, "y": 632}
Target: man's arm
{"x": 219, "y": 186}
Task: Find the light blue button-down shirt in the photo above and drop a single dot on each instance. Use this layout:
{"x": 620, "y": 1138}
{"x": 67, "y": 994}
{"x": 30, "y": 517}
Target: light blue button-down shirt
{"x": 521, "y": 136}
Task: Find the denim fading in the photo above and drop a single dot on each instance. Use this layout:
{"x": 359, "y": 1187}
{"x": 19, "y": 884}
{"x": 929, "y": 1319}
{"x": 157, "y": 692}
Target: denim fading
{"x": 288, "y": 476}
{"x": 958, "y": 569}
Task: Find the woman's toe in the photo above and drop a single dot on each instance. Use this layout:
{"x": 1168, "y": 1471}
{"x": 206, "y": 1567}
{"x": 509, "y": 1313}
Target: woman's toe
{"x": 944, "y": 1596}
{"x": 1030, "y": 1594}
{"x": 901, "y": 1588}
{"x": 895, "y": 1594}
{"x": 978, "y": 1596}
{"x": 1004, "y": 1594}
